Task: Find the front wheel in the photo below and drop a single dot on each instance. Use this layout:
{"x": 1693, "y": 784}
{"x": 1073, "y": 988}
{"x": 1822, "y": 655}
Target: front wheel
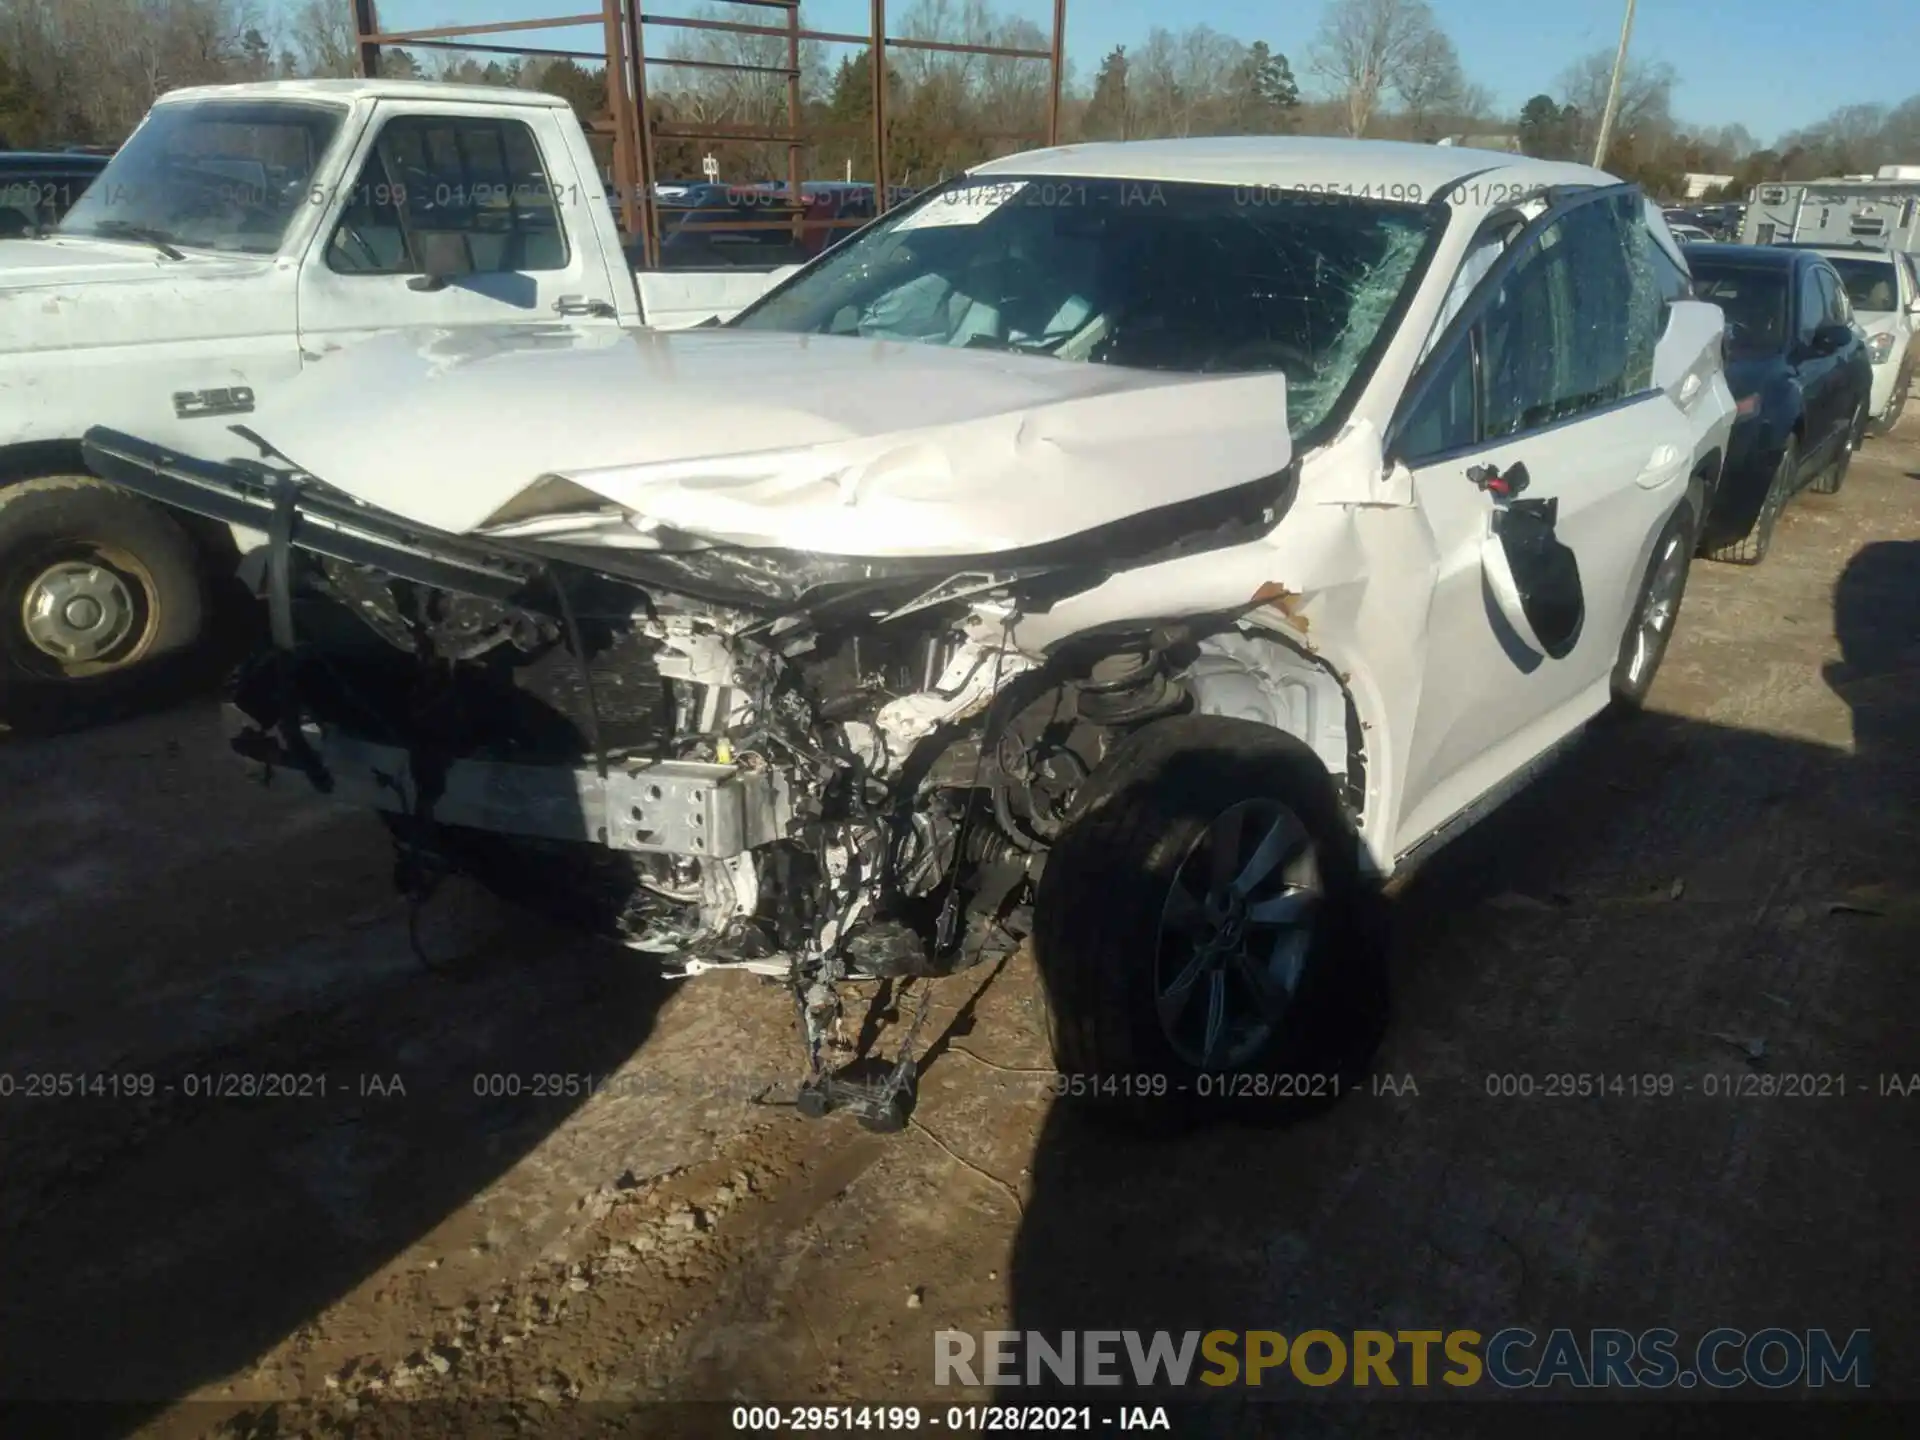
{"x": 1889, "y": 419}
{"x": 100, "y": 591}
{"x": 1650, "y": 630}
{"x": 1204, "y": 934}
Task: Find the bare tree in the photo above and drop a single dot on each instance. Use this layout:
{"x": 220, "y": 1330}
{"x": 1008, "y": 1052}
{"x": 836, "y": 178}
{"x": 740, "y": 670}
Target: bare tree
{"x": 324, "y": 43}
{"x": 97, "y": 65}
{"x": 1431, "y": 85}
{"x": 743, "y": 99}
{"x": 1183, "y": 82}
{"x": 1366, "y": 48}
{"x": 1646, "y": 98}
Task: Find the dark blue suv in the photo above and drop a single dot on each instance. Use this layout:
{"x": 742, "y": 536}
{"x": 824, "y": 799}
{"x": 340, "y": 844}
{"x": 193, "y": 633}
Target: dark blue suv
{"x": 37, "y": 188}
{"x": 1800, "y": 376}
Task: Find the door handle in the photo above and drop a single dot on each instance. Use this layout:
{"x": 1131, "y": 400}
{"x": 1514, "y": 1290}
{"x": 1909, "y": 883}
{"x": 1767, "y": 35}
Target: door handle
{"x": 1666, "y": 464}
{"x": 582, "y": 305}
{"x": 1502, "y": 486}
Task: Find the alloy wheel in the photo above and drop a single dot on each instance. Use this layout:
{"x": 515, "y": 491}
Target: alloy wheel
{"x": 1236, "y": 929}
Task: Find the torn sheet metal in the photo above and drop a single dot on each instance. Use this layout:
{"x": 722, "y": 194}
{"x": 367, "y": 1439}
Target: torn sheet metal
{"x": 838, "y": 446}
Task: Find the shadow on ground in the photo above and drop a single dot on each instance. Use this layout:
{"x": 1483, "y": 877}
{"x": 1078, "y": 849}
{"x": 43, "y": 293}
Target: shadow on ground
{"x": 1752, "y": 910}
{"x": 234, "y": 1090}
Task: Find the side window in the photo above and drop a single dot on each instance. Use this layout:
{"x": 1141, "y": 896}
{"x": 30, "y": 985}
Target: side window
{"x": 462, "y": 196}
{"x": 1442, "y": 420}
{"x": 1839, "y": 309}
{"x": 1813, "y": 304}
{"x": 1575, "y": 323}
{"x": 1673, "y": 282}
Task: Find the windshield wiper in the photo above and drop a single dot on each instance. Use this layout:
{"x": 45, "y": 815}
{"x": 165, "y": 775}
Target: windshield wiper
{"x": 127, "y": 230}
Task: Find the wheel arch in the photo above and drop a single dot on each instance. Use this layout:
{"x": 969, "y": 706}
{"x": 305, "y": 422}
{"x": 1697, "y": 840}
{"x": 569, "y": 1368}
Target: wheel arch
{"x": 1703, "y": 483}
{"x": 1262, "y": 667}
{"x": 44, "y": 459}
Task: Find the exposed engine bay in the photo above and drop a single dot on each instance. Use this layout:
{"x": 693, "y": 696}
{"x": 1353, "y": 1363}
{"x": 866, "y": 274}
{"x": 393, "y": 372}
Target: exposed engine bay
{"x": 860, "y": 782}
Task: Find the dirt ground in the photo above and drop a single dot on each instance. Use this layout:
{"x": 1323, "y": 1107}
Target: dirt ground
{"x": 1727, "y": 886}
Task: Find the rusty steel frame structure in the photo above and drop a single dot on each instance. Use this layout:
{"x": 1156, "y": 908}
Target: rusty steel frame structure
{"x": 624, "y": 54}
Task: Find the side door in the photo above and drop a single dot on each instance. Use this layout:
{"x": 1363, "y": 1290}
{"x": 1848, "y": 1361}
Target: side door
{"x": 1822, "y": 375}
{"x": 1545, "y": 462}
{"x": 456, "y": 215}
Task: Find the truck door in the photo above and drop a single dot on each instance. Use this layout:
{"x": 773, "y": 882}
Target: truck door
{"x": 456, "y": 215}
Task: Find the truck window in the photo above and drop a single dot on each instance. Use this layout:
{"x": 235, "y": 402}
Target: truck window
{"x": 226, "y": 175}
{"x": 469, "y": 195}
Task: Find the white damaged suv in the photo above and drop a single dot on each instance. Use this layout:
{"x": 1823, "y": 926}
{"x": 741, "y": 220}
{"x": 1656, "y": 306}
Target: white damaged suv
{"x": 1141, "y": 549}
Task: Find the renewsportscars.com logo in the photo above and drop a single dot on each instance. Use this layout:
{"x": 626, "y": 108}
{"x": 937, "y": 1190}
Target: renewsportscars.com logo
{"x": 1510, "y": 1359}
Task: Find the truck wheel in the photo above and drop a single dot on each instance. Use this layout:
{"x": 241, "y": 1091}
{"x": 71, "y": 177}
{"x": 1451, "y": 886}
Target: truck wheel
{"x": 1205, "y": 937}
{"x": 100, "y": 591}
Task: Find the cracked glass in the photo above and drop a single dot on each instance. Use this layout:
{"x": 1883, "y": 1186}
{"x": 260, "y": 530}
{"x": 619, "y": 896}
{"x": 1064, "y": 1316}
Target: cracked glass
{"x": 1191, "y": 278}
{"x": 1575, "y": 323}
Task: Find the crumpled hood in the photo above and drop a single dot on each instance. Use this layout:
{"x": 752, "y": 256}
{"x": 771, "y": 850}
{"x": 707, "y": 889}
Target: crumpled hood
{"x": 68, "y": 294}
{"x": 833, "y": 445}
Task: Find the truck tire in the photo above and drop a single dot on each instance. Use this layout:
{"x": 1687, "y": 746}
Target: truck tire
{"x": 102, "y": 595}
{"x": 1166, "y": 1005}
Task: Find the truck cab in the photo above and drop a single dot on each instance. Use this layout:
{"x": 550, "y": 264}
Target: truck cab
{"x": 241, "y": 236}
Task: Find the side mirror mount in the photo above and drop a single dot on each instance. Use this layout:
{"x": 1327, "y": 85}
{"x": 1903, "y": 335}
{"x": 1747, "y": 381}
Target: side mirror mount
{"x": 442, "y": 257}
{"x": 1829, "y": 339}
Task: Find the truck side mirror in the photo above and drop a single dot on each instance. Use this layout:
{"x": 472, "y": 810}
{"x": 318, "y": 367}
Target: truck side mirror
{"x": 442, "y": 257}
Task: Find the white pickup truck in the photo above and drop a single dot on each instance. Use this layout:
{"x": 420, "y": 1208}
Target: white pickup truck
{"x": 242, "y": 234}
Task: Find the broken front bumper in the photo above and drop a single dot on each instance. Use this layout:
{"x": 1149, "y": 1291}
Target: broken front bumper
{"x": 663, "y": 807}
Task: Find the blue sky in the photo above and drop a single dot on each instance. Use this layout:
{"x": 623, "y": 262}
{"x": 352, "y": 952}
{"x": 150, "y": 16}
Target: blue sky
{"x": 1771, "y": 65}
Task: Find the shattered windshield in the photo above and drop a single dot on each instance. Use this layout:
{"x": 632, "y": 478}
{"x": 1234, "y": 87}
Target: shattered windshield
{"x": 1202, "y": 279}
{"x": 222, "y": 175}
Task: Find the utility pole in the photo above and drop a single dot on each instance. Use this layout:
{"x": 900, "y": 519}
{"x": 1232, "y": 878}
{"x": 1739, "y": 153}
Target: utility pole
{"x": 1613, "y": 93}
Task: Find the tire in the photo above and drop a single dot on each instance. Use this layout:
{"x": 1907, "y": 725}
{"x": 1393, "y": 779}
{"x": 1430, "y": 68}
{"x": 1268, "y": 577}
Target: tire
{"x": 1108, "y": 885}
{"x": 1834, "y": 476}
{"x": 121, "y": 561}
{"x": 1643, "y": 647}
{"x": 1887, "y": 422}
{"x": 1751, "y": 548}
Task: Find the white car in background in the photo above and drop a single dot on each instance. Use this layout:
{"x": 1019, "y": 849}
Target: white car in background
{"x": 1146, "y": 548}
{"x": 1886, "y": 305}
